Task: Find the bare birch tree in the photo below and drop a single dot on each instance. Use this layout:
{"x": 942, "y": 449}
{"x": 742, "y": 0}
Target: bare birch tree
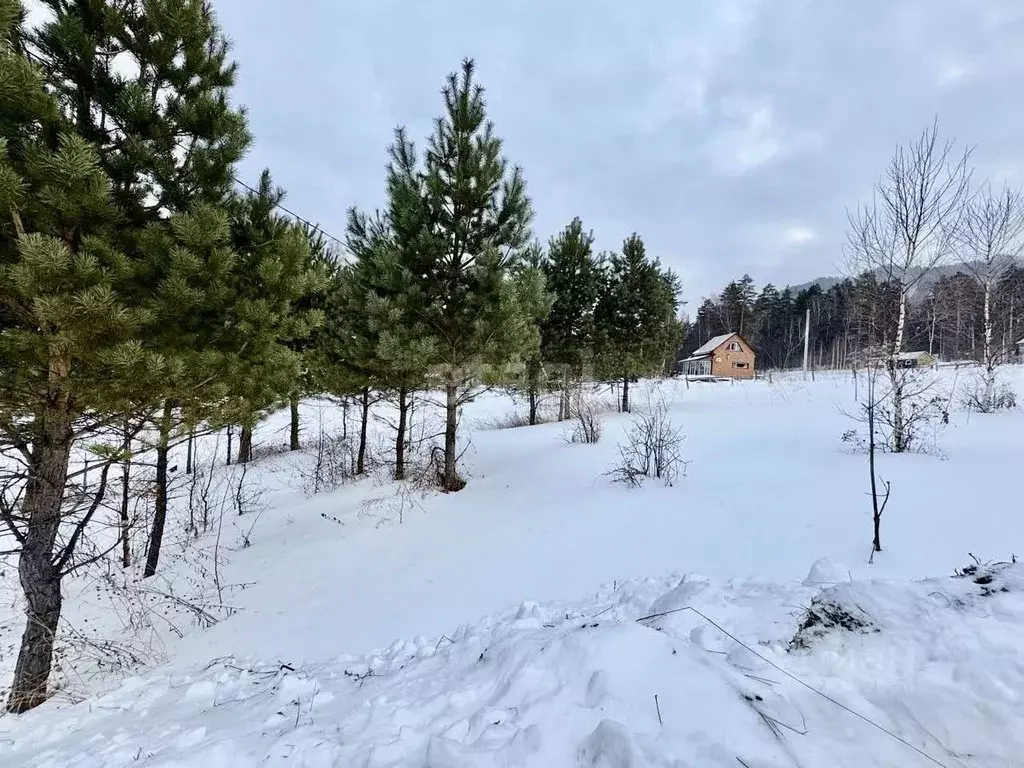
{"x": 904, "y": 232}
{"x": 988, "y": 240}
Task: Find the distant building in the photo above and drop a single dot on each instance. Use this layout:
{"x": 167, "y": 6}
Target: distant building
{"x": 1020, "y": 347}
{"x": 728, "y": 356}
{"x": 920, "y": 359}
{"x": 916, "y": 359}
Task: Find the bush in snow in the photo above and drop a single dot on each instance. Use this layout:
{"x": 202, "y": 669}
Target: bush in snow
{"x": 586, "y": 424}
{"x": 907, "y": 419}
{"x": 985, "y": 396}
{"x": 333, "y": 466}
{"x": 652, "y": 449}
{"x": 827, "y": 614}
{"x": 989, "y": 576}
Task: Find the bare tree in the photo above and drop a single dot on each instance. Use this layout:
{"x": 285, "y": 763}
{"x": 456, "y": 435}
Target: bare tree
{"x": 904, "y": 232}
{"x": 876, "y": 508}
{"x": 989, "y": 238}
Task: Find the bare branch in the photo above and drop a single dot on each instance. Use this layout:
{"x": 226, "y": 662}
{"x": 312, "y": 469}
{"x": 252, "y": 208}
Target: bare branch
{"x": 69, "y": 548}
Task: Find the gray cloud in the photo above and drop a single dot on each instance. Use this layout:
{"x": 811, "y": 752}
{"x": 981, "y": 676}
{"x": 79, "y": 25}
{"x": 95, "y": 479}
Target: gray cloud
{"x": 732, "y": 134}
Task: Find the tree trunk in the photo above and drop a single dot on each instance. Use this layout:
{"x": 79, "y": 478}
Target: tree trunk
{"x": 231, "y": 434}
{"x": 533, "y": 385}
{"x": 403, "y": 413}
{"x": 408, "y": 418}
{"x": 39, "y": 575}
{"x": 293, "y": 401}
{"x": 896, "y": 377}
{"x": 564, "y": 406}
{"x": 990, "y": 360}
{"x": 876, "y": 516}
{"x": 156, "y": 535}
{"x": 451, "y": 480}
{"x": 364, "y": 420}
{"x": 190, "y": 451}
{"x": 126, "y": 472}
{"x": 625, "y": 394}
{"x": 245, "y": 445}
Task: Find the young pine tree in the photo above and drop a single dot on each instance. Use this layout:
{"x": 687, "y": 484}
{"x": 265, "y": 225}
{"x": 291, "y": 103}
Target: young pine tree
{"x": 636, "y": 315}
{"x": 401, "y": 347}
{"x": 270, "y": 313}
{"x": 573, "y": 277}
{"x": 478, "y": 218}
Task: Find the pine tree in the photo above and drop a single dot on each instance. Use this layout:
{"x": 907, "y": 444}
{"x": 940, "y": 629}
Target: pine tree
{"x": 320, "y": 268}
{"x": 737, "y": 302}
{"x": 572, "y": 276}
{"x": 69, "y": 338}
{"x": 478, "y": 223}
{"x": 273, "y": 279}
{"x": 636, "y": 315}
{"x": 536, "y": 300}
{"x": 166, "y": 135}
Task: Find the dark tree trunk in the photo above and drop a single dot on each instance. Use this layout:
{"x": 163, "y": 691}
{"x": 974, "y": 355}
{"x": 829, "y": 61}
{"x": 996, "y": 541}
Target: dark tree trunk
{"x": 625, "y": 394}
{"x": 564, "y": 409}
{"x": 39, "y": 575}
{"x": 364, "y": 420}
{"x": 876, "y": 513}
{"x": 156, "y": 535}
{"x": 451, "y": 481}
{"x": 190, "y": 452}
{"x": 533, "y": 386}
{"x": 126, "y": 473}
{"x": 231, "y": 434}
{"x": 293, "y": 401}
{"x": 245, "y": 445}
{"x": 403, "y": 415}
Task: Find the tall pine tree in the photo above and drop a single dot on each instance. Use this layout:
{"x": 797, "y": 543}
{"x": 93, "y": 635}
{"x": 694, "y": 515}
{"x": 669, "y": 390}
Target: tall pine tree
{"x": 69, "y": 337}
{"x": 636, "y": 315}
{"x": 478, "y": 224}
{"x": 573, "y": 278}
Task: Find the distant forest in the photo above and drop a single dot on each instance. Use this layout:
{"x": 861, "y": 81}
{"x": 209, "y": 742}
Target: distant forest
{"x": 847, "y": 319}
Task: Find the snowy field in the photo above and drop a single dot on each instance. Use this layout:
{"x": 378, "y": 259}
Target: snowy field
{"x": 347, "y": 630}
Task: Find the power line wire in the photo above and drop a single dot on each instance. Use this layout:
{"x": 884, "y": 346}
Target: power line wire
{"x": 32, "y": 56}
{"x": 279, "y": 206}
{"x": 796, "y": 679}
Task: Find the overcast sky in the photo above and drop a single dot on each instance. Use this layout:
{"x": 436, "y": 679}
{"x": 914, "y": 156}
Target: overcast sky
{"x": 731, "y": 134}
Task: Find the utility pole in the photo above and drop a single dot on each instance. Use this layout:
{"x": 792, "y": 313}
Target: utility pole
{"x": 807, "y": 339}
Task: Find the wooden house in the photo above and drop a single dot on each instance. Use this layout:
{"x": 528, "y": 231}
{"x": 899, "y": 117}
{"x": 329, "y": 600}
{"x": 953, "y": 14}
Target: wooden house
{"x": 726, "y": 356}
{"x": 920, "y": 359}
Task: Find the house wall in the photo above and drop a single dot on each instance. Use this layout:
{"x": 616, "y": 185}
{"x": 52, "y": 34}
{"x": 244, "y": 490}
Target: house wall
{"x": 727, "y": 363}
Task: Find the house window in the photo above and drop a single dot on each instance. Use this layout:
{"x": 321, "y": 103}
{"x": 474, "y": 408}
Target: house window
{"x": 734, "y": 346}
{"x": 740, "y": 365}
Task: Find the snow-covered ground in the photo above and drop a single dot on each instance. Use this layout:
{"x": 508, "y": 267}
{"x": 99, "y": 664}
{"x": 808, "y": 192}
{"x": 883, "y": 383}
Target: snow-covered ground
{"x": 354, "y": 635}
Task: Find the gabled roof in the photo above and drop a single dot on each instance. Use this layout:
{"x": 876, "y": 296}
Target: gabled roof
{"x": 712, "y": 345}
{"x": 913, "y": 355}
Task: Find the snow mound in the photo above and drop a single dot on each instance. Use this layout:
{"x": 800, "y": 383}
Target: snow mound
{"x": 659, "y": 673}
{"x": 824, "y": 572}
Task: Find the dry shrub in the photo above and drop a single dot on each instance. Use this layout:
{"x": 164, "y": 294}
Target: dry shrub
{"x": 513, "y": 419}
{"x": 586, "y": 426}
{"x": 976, "y": 396}
{"x": 653, "y": 448}
{"x": 333, "y": 465}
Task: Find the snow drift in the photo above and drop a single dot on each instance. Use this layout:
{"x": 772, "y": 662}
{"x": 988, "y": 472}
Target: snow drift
{"x": 853, "y": 673}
